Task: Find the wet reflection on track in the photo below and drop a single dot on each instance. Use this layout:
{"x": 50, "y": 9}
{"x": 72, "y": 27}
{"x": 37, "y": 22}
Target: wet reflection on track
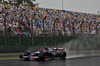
{"x": 88, "y": 61}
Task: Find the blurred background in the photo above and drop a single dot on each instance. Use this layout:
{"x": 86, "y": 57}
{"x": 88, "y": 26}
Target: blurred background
{"x": 26, "y": 25}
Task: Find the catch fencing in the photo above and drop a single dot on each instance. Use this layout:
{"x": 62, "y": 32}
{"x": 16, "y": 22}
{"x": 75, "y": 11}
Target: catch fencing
{"x": 31, "y": 36}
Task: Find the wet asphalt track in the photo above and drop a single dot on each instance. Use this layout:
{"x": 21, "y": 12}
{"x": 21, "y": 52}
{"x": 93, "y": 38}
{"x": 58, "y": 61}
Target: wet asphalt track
{"x": 87, "y": 61}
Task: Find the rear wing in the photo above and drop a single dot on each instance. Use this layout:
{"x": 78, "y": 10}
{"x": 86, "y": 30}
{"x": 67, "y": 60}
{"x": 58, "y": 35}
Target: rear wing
{"x": 58, "y": 48}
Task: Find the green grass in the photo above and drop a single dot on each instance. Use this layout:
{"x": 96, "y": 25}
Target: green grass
{"x": 1, "y": 58}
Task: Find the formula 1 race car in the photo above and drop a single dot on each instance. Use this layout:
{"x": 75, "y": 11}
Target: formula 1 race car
{"x": 45, "y": 54}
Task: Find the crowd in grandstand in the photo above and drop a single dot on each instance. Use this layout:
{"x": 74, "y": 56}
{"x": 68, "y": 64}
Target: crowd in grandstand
{"x": 19, "y": 20}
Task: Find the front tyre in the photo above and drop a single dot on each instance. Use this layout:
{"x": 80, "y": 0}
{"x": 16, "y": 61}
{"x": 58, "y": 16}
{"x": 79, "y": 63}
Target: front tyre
{"x": 42, "y": 56}
{"x": 20, "y": 56}
{"x": 27, "y": 54}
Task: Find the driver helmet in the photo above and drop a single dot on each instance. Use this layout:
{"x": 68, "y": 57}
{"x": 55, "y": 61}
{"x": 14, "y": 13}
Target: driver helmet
{"x": 46, "y": 47}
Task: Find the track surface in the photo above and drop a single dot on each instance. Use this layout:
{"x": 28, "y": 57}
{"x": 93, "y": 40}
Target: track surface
{"x": 86, "y": 61}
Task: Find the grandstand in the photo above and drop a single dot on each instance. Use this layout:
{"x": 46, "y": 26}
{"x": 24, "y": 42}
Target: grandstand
{"x": 27, "y": 26}
{"x": 23, "y": 20}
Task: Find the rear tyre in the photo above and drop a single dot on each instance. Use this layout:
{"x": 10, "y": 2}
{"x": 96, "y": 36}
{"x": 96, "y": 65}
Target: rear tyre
{"x": 63, "y": 55}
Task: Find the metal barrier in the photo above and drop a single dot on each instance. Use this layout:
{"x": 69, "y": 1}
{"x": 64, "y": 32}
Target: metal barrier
{"x": 97, "y": 28}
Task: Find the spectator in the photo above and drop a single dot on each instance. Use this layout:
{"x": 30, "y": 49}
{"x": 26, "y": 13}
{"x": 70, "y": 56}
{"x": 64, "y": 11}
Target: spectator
{"x": 18, "y": 19}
